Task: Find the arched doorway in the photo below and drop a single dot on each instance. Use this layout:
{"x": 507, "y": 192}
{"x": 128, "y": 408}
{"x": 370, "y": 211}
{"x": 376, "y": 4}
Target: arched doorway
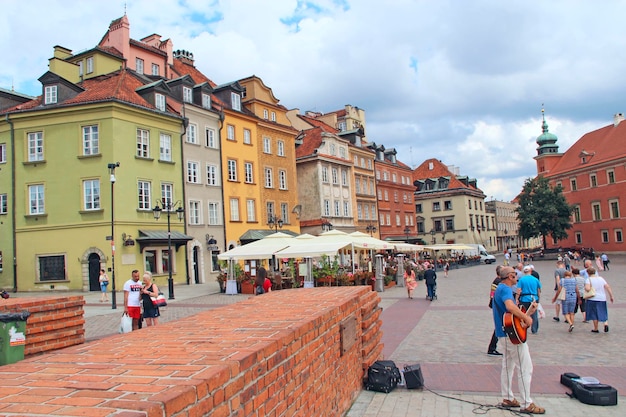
{"x": 94, "y": 272}
{"x": 196, "y": 264}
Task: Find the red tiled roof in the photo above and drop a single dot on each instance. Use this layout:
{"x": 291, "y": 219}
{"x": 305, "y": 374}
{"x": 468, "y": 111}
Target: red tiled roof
{"x": 311, "y": 140}
{"x": 605, "y": 144}
{"x": 439, "y": 170}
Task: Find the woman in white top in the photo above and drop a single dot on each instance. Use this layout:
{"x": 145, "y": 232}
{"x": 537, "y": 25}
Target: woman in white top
{"x": 596, "y": 305}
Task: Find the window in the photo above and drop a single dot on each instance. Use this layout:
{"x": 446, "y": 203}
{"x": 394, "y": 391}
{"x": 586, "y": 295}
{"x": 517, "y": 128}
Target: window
{"x": 380, "y": 194}
{"x": 192, "y": 136}
{"x": 573, "y": 184}
{"x": 470, "y": 204}
{"x": 284, "y": 212}
{"x": 369, "y": 164}
{"x": 418, "y": 208}
{"x": 357, "y": 185}
{"x": 89, "y": 65}
{"x": 35, "y": 146}
{"x": 614, "y": 209}
{"x": 155, "y": 69}
{"x": 326, "y": 208}
{"x": 273, "y": 116}
{"x": 386, "y": 195}
{"x": 247, "y": 136}
{"x": 230, "y": 132}
{"x": 324, "y": 174}
{"x": 335, "y": 176}
{"x": 619, "y": 236}
{"x": 447, "y": 205}
{"x": 143, "y": 188}
{"x": 90, "y": 140}
{"x": 605, "y": 236}
{"x": 167, "y": 193}
{"x": 341, "y": 126}
{"x": 576, "y": 214}
{"x": 373, "y": 211}
{"x": 3, "y": 153}
{"x": 265, "y": 114}
{"x": 193, "y": 172}
{"x": 579, "y": 237}
{"x": 282, "y": 179}
{"x": 342, "y": 152}
{"x": 165, "y": 147}
{"x": 139, "y": 65}
{"x": 267, "y": 145}
{"x": 280, "y": 148}
{"x": 50, "y": 94}
{"x": 159, "y": 101}
{"x": 251, "y": 210}
{"x": 232, "y": 170}
{"x": 269, "y": 182}
{"x": 269, "y": 209}
{"x": 211, "y": 175}
{"x": 187, "y": 96}
{"x": 235, "y": 101}
{"x": 395, "y": 196}
{"x": 332, "y": 149}
{"x": 195, "y": 213}
{"x": 91, "y": 194}
{"x": 449, "y": 224}
{"x": 436, "y": 206}
{"x": 51, "y": 268}
{"x": 206, "y": 101}
{"x": 398, "y": 220}
{"x": 344, "y": 178}
{"x": 385, "y": 176}
{"x": 359, "y": 211}
{"x": 394, "y": 177}
{"x": 214, "y": 210}
{"x": 4, "y": 204}
{"x": 388, "y": 218}
{"x": 597, "y": 214}
{"x": 593, "y": 180}
{"x": 80, "y": 69}
{"x": 143, "y": 143}
{"x": 234, "y": 209}
{"x": 610, "y": 177}
{"x": 210, "y": 138}
{"x": 249, "y": 173}
{"x": 36, "y": 199}
{"x": 337, "y": 209}
{"x": 346, "y": 209}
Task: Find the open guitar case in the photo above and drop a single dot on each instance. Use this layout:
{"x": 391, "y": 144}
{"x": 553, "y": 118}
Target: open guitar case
{"x": 589, "y": 390}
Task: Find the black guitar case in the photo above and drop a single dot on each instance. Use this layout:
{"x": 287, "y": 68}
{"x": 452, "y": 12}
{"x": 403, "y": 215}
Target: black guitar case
{"x": 595, "y": 394}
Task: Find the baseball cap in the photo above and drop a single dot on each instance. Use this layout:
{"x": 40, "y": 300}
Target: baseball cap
{"x": 527, "y": 268}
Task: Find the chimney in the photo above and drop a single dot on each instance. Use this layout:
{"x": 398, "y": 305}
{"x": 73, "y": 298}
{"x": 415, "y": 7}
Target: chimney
{"x": 617, "y": 118}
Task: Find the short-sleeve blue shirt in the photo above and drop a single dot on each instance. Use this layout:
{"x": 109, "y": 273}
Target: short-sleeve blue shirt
{"x": 503, "y": 293}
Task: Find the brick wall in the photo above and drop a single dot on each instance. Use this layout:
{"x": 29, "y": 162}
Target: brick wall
{"x": 280, "y": 354}
{"x": 54, "y": 322}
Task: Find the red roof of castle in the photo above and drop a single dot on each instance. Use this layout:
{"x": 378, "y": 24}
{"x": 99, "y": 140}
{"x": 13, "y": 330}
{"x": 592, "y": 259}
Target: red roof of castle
{"x": 602, "y": 145}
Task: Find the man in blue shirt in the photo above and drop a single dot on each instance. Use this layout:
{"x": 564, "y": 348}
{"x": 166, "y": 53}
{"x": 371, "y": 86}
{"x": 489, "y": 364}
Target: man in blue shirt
{"x": 530, "y": 290}
{"x": 515, "y": 355}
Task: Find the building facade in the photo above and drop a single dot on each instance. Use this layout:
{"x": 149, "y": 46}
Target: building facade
{"x": 592, "y": 174}
{"x": 450, "y": 208}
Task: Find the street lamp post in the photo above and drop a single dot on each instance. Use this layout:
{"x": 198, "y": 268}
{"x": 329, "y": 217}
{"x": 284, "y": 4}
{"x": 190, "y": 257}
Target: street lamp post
{"x": 407, "y": 232}
{"x": 111, "y": 168}
{"x": 166, "y": 204}
{"x": 275, "y": 223}
{"x": 432, "y": 235}
{"x": 371, "y": 229}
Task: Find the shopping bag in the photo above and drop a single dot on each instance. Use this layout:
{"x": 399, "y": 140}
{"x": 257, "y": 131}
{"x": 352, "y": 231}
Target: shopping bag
{"x": 126, "y": 324}
{"x": 541, "y": 313}
{"x": 159, "y": 301}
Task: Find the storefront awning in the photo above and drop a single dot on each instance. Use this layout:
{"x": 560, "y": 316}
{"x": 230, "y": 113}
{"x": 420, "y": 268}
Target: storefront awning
{"x": 253, "y": 235}
{"x": 159, "y": 238}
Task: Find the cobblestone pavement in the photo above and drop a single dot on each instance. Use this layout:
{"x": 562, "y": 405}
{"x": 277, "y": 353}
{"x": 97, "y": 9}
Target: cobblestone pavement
{"x": 449, "y": 338}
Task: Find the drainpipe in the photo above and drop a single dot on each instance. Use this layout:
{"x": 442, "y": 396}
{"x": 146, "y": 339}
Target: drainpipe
{"x": 13, "y": 204}
{"x": 219, "y": 136}
{"x": 185, "y": 123}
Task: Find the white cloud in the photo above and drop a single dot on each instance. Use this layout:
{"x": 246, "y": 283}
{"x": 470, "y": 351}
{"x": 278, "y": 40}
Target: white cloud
{"x": 459, "y": 81}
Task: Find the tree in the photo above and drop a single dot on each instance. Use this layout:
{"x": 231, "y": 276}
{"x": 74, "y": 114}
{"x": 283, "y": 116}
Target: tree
{"x": 543, "y": 211}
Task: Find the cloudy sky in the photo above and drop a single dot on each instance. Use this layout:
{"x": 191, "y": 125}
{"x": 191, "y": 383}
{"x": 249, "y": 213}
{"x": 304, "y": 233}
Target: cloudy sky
{"x": 460, "y": 81}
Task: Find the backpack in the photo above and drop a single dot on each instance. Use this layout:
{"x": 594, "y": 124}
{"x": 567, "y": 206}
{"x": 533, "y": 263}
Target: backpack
{"x": 383, "y": 376}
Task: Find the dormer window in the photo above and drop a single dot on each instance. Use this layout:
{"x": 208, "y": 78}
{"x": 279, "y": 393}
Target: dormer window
{"x": 89, "y": 65}
{"x": 159, "y": 101}
{"x": 265, "y": 114}
{"x": 80, "y": 68}
{"x": 235, "y": 101}
{"x": 187, "y": 96}
{"x": 50, "y": 94}
{"x": 206, "y": 101}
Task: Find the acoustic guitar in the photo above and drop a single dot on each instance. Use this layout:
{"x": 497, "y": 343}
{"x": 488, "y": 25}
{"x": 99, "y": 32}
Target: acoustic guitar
{"x": 514, "y": 327}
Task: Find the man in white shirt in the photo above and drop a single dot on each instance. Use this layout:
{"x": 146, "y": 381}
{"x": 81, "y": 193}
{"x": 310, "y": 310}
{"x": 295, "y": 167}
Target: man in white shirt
{"x": 132, "y": 298}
